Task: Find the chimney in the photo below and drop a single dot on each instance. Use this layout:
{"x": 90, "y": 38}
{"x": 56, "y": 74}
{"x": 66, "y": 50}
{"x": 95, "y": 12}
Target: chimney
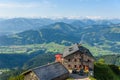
{"x": 58, "y": 58}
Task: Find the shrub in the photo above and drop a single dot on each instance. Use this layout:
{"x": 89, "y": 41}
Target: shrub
{"x": 115, "y": 69}
{"x": 104, "y": 72}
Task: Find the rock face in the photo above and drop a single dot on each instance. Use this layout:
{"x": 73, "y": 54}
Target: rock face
{"x": 53, "y": 71}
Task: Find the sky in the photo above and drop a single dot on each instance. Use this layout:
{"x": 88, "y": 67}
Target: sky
{"x": 60, "y": 8}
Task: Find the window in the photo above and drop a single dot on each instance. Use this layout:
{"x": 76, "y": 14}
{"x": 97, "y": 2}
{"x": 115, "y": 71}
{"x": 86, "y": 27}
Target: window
{"x": 75, "y": 60}
{"x": 69, "y": 66}
{"x": 88, "y": 60}
{"x": 75, "y": 66}
{"x": 79, "y": 66}
{"x": 83, "y": 66}
{"x": 69, "y": 60}
{"x": 70, "y": 49}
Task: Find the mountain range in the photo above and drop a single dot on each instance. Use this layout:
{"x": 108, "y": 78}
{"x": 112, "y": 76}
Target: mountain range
{"x": 101, "y": 37}
{"x": 104, "y": 34}
{"x": 16, "y": 25}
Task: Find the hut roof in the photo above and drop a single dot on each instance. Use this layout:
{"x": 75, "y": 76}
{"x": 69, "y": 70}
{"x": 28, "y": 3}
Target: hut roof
{"x": 70, "y": 50}
{"x": 74, "y": 48}
{"x": 49, "y": 71}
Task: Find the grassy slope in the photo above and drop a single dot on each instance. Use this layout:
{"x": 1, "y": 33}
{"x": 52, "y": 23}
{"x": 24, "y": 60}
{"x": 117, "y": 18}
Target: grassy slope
{"x": 104, "y": 72}
{"x": 97, "y": 50}
{"x": 49, "y": 47}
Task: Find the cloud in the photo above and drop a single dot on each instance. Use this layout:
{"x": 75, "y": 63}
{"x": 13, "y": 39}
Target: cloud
{"x": 26, "y": 9}
{"x": 16, "y": 5}
{"x": 44, "y": 4}
{"x": 94, "y": 17}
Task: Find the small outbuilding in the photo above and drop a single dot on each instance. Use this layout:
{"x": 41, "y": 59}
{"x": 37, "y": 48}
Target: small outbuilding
{"x": 53, "y": 71}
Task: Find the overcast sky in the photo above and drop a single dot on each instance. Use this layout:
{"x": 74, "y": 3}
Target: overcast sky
{"x": 60, "y": 8}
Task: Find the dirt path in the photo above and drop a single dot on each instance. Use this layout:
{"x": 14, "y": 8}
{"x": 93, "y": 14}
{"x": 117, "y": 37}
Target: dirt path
{"x": 78, "y": 77}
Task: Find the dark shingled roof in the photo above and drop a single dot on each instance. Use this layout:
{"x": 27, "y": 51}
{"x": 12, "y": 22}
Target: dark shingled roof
{"x": 50, "y": 71}
{"x": 70, "y": 50}
{"x": 74, "y": 48}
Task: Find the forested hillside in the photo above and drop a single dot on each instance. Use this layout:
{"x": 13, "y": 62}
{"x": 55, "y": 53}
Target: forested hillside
{"x": 104, "y": 71}
{"x": 111, "y": 59}
{"x": 104, "y": 38}
{"x": 101, "y": 37}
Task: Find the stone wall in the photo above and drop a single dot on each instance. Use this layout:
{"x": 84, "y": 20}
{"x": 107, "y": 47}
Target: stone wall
{"x": 30, "y": 76}
{"x": 75, "y": 61}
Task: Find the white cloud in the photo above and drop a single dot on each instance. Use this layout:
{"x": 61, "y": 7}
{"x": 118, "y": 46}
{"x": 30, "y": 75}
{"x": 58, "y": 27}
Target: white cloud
{"x": 26, "y": 9}
{"x": 16, "y": 5}
{"x": 94, "y": 17}
{"x": 44, "y": 4}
